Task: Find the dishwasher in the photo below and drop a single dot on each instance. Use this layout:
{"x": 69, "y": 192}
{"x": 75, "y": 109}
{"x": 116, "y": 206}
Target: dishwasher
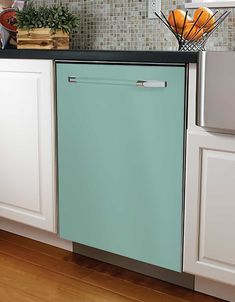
{"x": 121, "y": 130}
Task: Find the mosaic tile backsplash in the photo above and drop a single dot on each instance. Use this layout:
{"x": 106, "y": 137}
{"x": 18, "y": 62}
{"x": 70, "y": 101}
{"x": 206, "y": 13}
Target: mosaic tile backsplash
{"x": 124, "y": 25}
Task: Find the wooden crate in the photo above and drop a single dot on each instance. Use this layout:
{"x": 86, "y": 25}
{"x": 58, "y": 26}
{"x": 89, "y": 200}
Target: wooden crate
{"x": 42, "y": 38}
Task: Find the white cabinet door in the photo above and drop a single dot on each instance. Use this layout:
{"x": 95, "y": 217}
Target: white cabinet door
{"x": 27, "y": 186}
{"x": 209, "y": 249}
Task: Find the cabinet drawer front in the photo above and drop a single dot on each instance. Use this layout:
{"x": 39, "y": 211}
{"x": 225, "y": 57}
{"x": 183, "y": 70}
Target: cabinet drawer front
{"x": 120, "y": 156}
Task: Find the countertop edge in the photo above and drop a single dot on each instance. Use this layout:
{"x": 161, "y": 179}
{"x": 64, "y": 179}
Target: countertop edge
{"x": 161, "y": 57}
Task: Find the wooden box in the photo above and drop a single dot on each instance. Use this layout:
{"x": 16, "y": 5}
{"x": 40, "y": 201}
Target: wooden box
{"x": 42, "y": 38}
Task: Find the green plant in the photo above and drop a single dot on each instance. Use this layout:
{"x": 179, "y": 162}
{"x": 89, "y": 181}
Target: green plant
{"x": 56, "y": 17}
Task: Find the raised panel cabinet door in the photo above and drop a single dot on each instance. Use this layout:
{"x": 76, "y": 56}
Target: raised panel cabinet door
{"x": 210, "y": 207}
{"x": 120, "y": 159}
{"x": 27, "y": 187}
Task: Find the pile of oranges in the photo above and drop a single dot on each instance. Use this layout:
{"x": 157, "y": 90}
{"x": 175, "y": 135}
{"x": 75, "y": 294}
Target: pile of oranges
{"x": 191, "y": 31}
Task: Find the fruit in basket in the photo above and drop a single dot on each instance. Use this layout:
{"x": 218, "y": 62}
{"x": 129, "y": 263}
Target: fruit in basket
{"x": 206, "y": 18}
{"x": 192, "y": 32}
{"x": 178, "y": 21}
{"x": 177, "y": 30}
{"x": 189, "y": 35}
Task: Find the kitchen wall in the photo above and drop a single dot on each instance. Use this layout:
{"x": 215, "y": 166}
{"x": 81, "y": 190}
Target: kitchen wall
{"x": 123, "y": 25}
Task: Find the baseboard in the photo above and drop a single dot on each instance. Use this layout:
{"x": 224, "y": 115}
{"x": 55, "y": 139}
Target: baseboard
{"x": 181, "y": 279}
{"x": 35, "y": 234}
{"x": 216, "y": 289}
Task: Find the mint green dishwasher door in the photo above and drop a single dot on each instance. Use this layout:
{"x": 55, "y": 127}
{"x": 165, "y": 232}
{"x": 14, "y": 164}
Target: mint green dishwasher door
{"x": 120, "y": 160}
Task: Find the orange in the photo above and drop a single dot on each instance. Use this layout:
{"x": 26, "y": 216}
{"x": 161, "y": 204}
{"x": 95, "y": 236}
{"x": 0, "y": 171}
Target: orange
{"x": 194, "y": 34}
{"x": 206, "y": 14}
{"x": 178, "y": 30}
{"x": 179, "y": 18}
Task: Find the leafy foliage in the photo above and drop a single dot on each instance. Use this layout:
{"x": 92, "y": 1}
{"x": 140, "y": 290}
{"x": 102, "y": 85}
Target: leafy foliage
{"x": 56, "y": 17}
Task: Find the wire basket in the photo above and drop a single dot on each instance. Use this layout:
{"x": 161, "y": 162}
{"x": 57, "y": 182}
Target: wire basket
{"x": 203, "y": 32}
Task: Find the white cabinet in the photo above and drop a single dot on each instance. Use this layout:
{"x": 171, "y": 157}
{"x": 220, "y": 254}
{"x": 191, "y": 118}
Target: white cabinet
{"x": 209, "y": 243}
{"x": 27, "y": 169}
{"x": 209, "y": 249}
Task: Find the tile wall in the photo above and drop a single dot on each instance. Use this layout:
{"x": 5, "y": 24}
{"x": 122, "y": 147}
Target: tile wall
{"x": 123, "y": 25}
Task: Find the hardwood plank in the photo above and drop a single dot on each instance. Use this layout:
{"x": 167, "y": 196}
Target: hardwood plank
{"x": 129, "y": 289}
{"x": 34, "y": 245}
{"x": 94, "y": 272}
{"x": 78, "y": 272}
{"x": 117, "y": 273}
{"x": 51, "y": 286}
{"x": 43, "y": 260}
{"x": 178, "y": 291}
{"x": 8, "y": 293}
{"x": 51, "y": 251}
{"x": 54, "y": 252}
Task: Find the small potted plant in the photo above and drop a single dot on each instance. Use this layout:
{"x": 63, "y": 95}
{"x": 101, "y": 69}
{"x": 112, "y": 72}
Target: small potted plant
{"x": 44, "y": 27}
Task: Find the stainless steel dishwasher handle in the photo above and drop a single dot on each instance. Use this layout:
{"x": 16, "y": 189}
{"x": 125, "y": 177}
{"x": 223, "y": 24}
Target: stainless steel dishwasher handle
{"x": 146, "y": 84}
{"x": 72, "y": 79}
{"x": 151, "y": 84}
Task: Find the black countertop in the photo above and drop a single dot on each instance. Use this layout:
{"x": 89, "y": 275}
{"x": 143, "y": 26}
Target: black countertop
{"x": 161, "y": 57}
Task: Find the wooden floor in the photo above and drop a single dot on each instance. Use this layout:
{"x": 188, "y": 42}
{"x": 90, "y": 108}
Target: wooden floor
{"x": 32, "y": 271}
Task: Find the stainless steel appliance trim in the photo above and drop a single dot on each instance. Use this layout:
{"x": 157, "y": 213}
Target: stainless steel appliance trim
{"x": 151, "y": 84}
{"x": 216, "y": 91}
{"x": 201, "y": 90}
